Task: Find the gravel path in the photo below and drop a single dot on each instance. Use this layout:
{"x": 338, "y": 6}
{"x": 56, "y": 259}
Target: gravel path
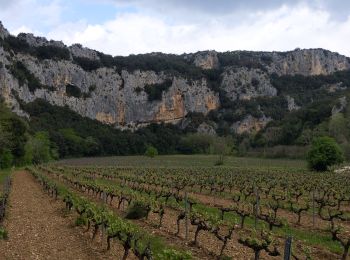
{"x": 38, "y": 228}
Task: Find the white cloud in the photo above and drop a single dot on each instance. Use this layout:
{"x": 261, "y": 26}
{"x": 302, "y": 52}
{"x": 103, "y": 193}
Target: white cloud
{"x": 283, "y": 29}
{"x": 31, "y": 15}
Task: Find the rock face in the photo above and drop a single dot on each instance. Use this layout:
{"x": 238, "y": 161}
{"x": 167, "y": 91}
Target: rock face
{"x": 307, "y": 62}
{"x": 207, "y": 60}
{"x": 244, "y": 83}
{"x": 3, "y": 32}
{"x": 342, "y": 102}
{"x": 207, "y": 129}
{"x": 77, "y": 50}
{"x": 39, "y": 41}
{"x": 250, "y": 124}
{"x": 118, "y": 96}
{"x": 291, "y": 103}
{"x": 114, "y": 99}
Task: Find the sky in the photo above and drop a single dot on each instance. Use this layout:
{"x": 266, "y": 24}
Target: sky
{"x": 123, "y": 27}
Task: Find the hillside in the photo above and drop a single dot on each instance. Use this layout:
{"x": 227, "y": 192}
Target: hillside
{"x": 261, "y": 98}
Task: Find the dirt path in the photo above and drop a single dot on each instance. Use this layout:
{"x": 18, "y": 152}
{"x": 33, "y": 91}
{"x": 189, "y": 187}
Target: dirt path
{"x": 38, "y": 229}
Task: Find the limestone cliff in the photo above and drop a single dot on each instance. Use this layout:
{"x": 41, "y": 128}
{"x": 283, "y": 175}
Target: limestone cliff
{"x": 110, "y": 91}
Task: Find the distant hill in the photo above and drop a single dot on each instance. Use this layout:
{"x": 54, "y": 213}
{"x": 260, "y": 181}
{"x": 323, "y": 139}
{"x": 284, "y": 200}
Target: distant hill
{"x": 263, "y": 99}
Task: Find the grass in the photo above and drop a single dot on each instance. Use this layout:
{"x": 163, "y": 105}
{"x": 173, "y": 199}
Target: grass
{"x": 187, "y": 161}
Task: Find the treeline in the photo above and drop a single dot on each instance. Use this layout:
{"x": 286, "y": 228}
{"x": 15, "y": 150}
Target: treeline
{"x": 18, "y": 44}
{"x": 76, "y": 136}
{"x": 18, "y": 146}
{"x": 71, "y": 135}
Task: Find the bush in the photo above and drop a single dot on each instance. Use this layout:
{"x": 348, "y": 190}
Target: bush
{"x": 3, "y": 233}
{"x": 87, "y": 64}
{"x": 172, "y": 254}
{"x": 137, "y": 211}
{"x": 73, "y": 91}
{"x": 324, "y": 152}
{"x": 38, "y": 149}
{"x": 23, "y": 75}
{"x": 155, "y": 91}
{"x": 6, "y": 159}
{"x": 81, "y": 221}
{"x": 151, "y": 152}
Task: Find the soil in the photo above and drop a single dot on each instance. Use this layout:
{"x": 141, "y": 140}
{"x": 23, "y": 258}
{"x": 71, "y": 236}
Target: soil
{"x": 39, "y": 228}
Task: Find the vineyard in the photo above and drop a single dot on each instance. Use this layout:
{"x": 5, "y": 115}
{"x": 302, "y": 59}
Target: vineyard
{"x": 206, "y": 212}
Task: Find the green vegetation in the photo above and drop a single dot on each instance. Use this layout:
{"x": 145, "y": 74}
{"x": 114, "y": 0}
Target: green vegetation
{"x": 155, "y": 91}
{"x": 189, "y": 161}
{"x": 210, "y": 191}
{"x": 23, "y": 75}
{"x": 76, "y": 136}
{"x": 3, "y": 233}
{"x": 13, "y": 137}
{"x": 151, "y": 152}
{"x": 130, "y": 236}
{"x": 73, "y": 91}
{"x": 324, "y": 152}
{"x": 19, "y": 145}
{"x": 136, "y": 211}
{"x": 288, "y": 134}
{"x": 87, "y": 64}
{"x": 19, "y": 45}
{"x": 38, "y": 149}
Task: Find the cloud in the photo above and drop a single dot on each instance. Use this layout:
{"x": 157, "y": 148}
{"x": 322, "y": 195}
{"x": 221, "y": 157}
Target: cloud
{"x": 281, "y": 29}
{"x": 33, "y": 15}
{"x": 337, "y": 8}
{"x": 188, "y": 26}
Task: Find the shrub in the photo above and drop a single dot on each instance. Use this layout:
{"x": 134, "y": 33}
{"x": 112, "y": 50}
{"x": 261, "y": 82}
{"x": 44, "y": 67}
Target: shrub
{"x": 87, "y": 64}
{"x": 52, "y": 52}
{"x": 324, "y": 152}
{"x": 81, "y": 221}
{"x": 23, "y": 75}
{"x": 6, "y": 159}
{"x": 137, "y": 211}
{"x": 3, "y": 233}
{"x": 155, "y": 91}
{"x": 172, "y": 254}
{"x": 151, "y": 152}
{"x": 73, "y": 91}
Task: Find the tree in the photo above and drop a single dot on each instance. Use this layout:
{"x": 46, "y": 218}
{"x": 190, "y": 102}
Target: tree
{"x": 221, "y": 146}
{"x": 151, "y": 151}
{"x": 37, "y": 149}
{"x": 338, "y": 128}
{"x": 323, "y": 153}
{"x": 6, "y": 159}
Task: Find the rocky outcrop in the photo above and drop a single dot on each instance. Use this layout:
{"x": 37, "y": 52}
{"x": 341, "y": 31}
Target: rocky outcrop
{"x": 331, "y": 88}
{"x": 3, "y": 32}
{"x": 307, "y": 62}
{"x": 117, "y": 94}
{"x": 206, "y": 60}
{"x": 342, "y": 103}
{"x": 77, "y": 50}
{"x": 114, "y": 99}
{"x": 39, "y": 41}
{"x": 244, "y": 83}
{"x": 250, "y": 124}
{"x": 291, "y": 103}
{"x": 205, "y": 128}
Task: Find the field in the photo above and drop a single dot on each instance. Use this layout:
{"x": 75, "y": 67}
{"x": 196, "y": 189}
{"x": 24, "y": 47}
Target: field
{"x": 183, "y": 207}
{"x": 174, "y": 161}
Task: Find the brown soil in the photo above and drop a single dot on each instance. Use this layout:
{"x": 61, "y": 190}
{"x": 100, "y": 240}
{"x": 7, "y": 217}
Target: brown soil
{"x": 38, "y": 228}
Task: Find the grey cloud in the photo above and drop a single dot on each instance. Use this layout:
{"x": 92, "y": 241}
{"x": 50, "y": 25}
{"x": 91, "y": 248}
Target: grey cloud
{"x": 338, "y": 9}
